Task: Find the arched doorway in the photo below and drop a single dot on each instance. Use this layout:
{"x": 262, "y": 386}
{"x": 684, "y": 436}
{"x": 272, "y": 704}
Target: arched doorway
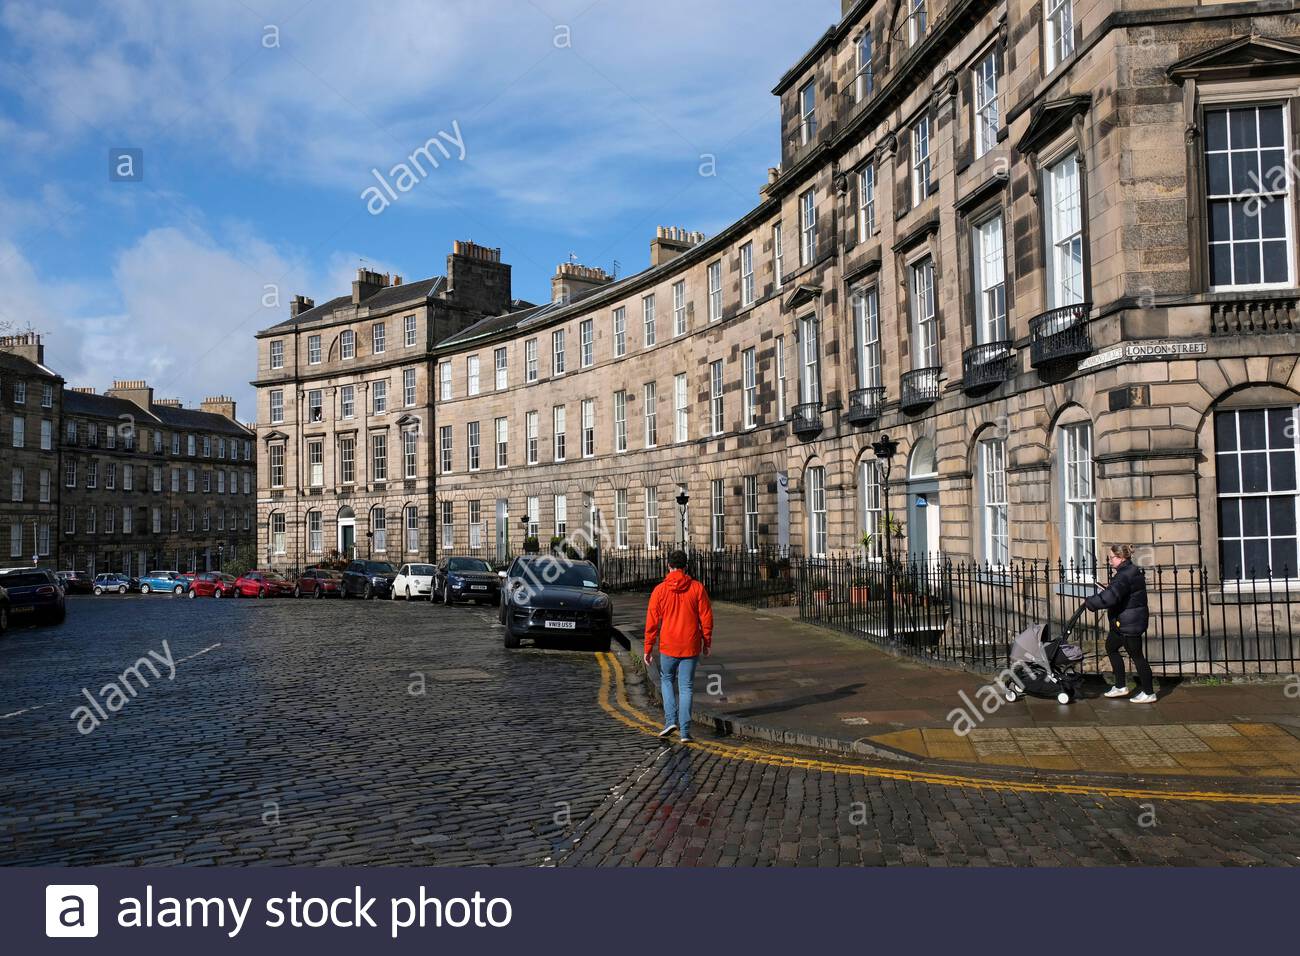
{"x": 347, "y": 533}
{"x": 923, "y": 515}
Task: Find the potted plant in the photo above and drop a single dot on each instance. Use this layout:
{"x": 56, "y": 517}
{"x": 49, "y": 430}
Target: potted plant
{"x": 532, "y": 545}
{"x": 557, "y": 543}
{"x": 820, "y": 586}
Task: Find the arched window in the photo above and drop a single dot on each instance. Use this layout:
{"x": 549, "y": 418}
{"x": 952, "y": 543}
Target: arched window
{"x": 991, "y": 461}
{"x": 379, "y": 529}
{"x": 315, "y": 532}
{"x": 872, "y": 499}
{"x": 278, "y": 534}
{"x": 1078, "y": 497}
{"x": 412, "y": 523}
{"x": 815, "y": 499}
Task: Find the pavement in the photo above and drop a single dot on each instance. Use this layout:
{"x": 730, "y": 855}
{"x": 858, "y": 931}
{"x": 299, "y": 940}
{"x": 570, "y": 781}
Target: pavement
{"x": 774, "y": 678}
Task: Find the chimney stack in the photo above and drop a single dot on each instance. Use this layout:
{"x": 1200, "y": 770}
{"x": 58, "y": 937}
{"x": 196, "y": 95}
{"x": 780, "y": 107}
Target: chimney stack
{"x": 299, "y": 305}
{"x": 571, "y": 280}
{"x": 135, "y": 391}
{"x": 25, "y": 344}
{"x": 368, "y": 283}
{"x": 670, "y": 242}
{"x": 477, "y": 279}
{"x": 222, "y": 405}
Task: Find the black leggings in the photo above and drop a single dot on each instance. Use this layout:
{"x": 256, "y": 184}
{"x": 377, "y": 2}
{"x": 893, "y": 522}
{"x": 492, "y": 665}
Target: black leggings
{"x": 1132, "y": 644}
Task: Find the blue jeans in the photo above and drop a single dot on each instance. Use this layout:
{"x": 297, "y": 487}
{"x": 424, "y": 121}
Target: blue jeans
{"x": 676, "y": 682}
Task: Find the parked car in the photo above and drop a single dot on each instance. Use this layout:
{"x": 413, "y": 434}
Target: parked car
{"x": 114, "y": 584}
{"x": 368, "y": 579}
{"x": 550, "y": 596}
{"x": 163, "y": 582}
{"x": 263, "y": 583}
{"x": 75, "y": 582}
{"x": 33, "y": 594}
{"x": 412, "y": 581}
{"x": 465, "y": 579}
{"x": 319, "y": 583}
{"x": 212, "y": 584}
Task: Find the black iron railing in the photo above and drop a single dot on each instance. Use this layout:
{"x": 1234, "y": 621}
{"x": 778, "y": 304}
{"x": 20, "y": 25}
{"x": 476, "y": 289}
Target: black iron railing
{"x": 806, "y": 419}
{"x": 1060, "y": 335}
{"x": 918, "y": 388}
{"x": 865, "y": 404}
{"x": 986, "y": 366}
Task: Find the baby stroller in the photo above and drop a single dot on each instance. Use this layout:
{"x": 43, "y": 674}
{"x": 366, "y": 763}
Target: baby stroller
{"x": 1044, "y": 667}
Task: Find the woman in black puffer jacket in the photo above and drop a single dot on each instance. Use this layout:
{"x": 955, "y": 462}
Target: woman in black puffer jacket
{"x": 1125, "y": 602}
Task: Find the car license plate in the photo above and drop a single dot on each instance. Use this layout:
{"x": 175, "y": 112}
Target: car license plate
{"x": 22, "y": 609}
{"x": 478, "y": 587}
{"x": 562, "y": 625}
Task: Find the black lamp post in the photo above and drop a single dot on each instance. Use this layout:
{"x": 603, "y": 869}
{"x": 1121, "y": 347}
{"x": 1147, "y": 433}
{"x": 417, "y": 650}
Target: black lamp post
{"x": 370, "y": 545}
{"x": 523, "y": 526}
{"x": 886, "y": 448}
{"x": 221, "y": 557}
{"x": 683, "y": 500}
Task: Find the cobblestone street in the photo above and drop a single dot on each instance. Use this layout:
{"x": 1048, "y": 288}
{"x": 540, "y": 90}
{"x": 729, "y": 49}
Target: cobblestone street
{"x": 327, "y": 732}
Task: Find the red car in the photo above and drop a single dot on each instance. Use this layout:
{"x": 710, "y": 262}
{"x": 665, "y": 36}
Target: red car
{"x": 261, "y": 584}
{"x": 319, "y": 583}
{"x": 212, "y": 584}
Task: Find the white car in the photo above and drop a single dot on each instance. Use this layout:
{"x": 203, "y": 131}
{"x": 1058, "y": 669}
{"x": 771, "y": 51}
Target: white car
{"x": 412, "y": 581}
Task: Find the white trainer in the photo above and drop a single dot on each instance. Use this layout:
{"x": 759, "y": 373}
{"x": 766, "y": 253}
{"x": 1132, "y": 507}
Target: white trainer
{"x": 667, "y": 731}
{"x": 1141, "y": 698}
{"x": 1117, "y": 692}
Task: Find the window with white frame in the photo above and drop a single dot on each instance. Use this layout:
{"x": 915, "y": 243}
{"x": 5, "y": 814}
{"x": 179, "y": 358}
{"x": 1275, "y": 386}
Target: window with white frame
{"x": 316, "y": 463}
{"x": 471, "y": 375}
{"x": 531, "y": 431}
{"x": 448, "y": 525}
{"x": 1256, "y": 451}
{"x": 991, "y": 278}
{"x": 920, "y": 160}
{"x": 751, "y": 512}
{"x": 778, "y": 257}
{"x": 313, "y": 350}
{"x": 408, "y": 329}
{"x": 379, "y": 528}
{"x": 277, "y": 406}
{"x": 557, "y": 352}
{"x": 718, "y": 516}
{"x": 917, "y": 21}
{"x": 315, "y": 532}
{"x": 315, "y": 410}
{"x": 411, "y": 522}
{"x": 620, "y": 421}
{"x": 652, "y": 518}
{"x": 561, "y": 515}
{"x": 43, "y": 485}
{"x": 1058, "y": 33}
{"x": 780, "y": 378}
{"x": 746, "y": 274}
{"x": 558, "y": 432}
{"x": 277, "y": 467}
{"x": 807, "y": 227}
{"x": 810, "y": 361}
{"x": 648, "y": 319}
{"x": 867, "y": 201}
{"x": 47, "y": 434}
{"x": 620, "y": 518}
{"x": 474, "y": 518}
{"x": 679, "y": 307}
{"x": 408, "y": 387}
{"x": 717, "y": 423}
{"x": 620, "y": 331}
{"x": 70, "y": 473}
{"x": 650, "y": 396}
{"x": 588, "y": 428}
{"x": 47, "y": 395}
{"x": 377, "y": 338}
{"x": 502, "y": 427}
{"x": 530, "y": 360}
{"x": 993, "y": 501}
{"x": 680, "y": 409}
{"x": 379, "y": 456}
{"x": 347, "y": 344}
{"x": 277, "y": 354}
{"x": 446, "y": 450}
{"x": 715, "y": 291}
{"x": 444, "y": 381}
{"x": 379, "y": 396}
{"x": 1080, "y": 544}
{"x": 873, "y": 508}
{"x": 1248, "y": 188}
{"x": 925, "y": 322}
{"x": 279, "y": 534}
{"x": 987, "y": 118}
{"x": 347, "y": 401}
{"x": 533, "y": 510}
{"x": 410, "y": 452}
{"x": 472, "y": 438}
{"x": 501, "y": 363}
{"x": 864, "y": 80}
{"x": 866, "y": 325}
{"x": 347, "y": 460}
{"x": 587, "y": 342}
{"x": 749, "y": 387}
{"x": 16, "y": 484}
{"x": 808, "y": 112}
{"x": 1064, "y": 221}
{"x": 817, "y": 528}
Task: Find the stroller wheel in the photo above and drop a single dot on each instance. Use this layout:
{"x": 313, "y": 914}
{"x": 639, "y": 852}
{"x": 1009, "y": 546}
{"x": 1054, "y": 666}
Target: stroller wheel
{"x": 1062, "y": 698}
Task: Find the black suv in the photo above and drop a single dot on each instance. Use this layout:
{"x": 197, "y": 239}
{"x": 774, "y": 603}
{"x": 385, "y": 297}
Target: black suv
{"x": 368, "y": 579}
{"x": 548, "y": 597}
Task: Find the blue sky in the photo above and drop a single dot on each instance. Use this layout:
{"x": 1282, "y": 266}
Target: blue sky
{"x": 583, "y": 126}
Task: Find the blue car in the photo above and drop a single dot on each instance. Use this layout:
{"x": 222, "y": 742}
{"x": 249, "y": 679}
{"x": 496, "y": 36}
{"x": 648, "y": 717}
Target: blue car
{"x": 164, "y": 582}
{"x": 33, "y": 595}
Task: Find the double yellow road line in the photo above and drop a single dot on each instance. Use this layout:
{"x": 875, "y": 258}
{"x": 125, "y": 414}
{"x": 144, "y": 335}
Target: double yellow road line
{"x": 613, "y": 699}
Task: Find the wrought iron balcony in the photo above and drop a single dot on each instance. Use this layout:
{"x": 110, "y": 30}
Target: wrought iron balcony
{"x": 1060, "y": 336}
{"x": 986, "y": 366}
{"x": 806, "y": 419}
{"x": 919, "y": 388}
{"x": 865, "y": 404}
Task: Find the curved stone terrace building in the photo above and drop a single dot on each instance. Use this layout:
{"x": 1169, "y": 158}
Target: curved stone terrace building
{"x": 1046, "y": 245}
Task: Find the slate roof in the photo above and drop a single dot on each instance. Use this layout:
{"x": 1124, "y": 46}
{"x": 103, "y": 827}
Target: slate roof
{"x": 189, "y": 419}
{"x": 9, "y": 361}
{"x": 384, "y": 299}
{"x": 492, "y": 325}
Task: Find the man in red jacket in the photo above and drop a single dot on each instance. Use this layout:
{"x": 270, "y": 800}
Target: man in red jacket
{"x": 681, "y": 616}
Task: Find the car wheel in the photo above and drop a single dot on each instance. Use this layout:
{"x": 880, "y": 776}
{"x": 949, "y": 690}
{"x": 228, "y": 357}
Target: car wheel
{"x": 192, "y": 595}
{"x": 98, "y": 590}
{"x": 392, "y": 594}
{"x": 297, "y": 591}
{"x": 218, "y": 593}
{"x": 261, "y": 593}
{"x": 144, "y": 589}
{"x": 317, "y": 593}
{"x": 122, "y": 589}
{"x": 501, "y": 610}
{"x": 369, "y": 592}
{"x": 511, "y": 638}
{"x": 446, "y": 595}
{"x": 178, "y": 590}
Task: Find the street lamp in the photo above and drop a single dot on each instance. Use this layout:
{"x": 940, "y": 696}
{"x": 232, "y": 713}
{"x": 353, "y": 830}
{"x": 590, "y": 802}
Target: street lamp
{"x": 370, "y": 544}
{"x": 523, "y": 526}
{"x": 886, "y": 448}
{"x": 683, "y": 500}
{"x": 221, "y": 557}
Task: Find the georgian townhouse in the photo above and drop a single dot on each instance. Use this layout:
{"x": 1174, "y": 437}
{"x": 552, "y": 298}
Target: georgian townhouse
{"x": 30, "y": 402}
